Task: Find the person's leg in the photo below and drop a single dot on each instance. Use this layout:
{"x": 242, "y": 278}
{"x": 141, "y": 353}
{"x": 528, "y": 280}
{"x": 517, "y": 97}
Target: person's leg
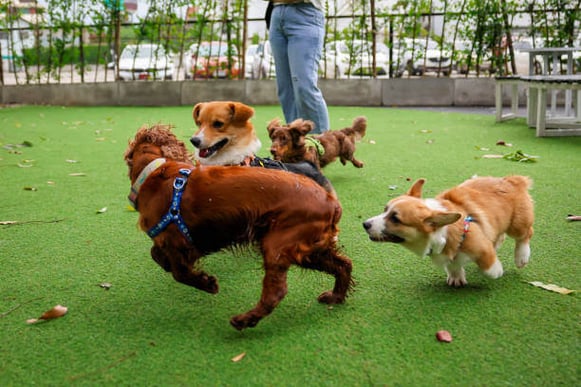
{"x": 278, "y": 45}
{"x": 305, "y": 29}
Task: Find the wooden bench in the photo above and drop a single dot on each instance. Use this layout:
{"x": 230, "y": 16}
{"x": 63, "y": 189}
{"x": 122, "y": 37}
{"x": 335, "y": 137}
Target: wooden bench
{"x": 564, "y": 125}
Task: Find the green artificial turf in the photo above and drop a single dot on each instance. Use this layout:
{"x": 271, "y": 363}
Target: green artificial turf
{"x": 76, "y": 232}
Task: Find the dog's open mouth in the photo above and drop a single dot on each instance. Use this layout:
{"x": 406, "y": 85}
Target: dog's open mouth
{"x": 386, "y": 237}
{"x": 207, "y": 152}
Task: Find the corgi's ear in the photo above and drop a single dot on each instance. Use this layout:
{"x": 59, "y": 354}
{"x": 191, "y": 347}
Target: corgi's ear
{"x": 416, "y": 189}
{"x": 440, "y": 219}
{"x": 196, "y": 111}
{"x": 273, "y": 124}
{"x": 241, "y": 112}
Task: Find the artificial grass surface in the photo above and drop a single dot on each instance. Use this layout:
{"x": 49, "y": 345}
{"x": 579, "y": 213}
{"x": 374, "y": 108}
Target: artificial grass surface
{"x": 150, "y": 330}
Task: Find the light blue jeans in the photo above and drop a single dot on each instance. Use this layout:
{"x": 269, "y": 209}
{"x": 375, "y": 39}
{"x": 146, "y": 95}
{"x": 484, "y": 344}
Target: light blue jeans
{"x": 296, "y": 38}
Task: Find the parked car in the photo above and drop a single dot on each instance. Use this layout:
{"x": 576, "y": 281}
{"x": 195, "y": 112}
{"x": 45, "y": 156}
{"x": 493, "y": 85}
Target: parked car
{"x": 263, "y": 66}
{"x": 249, "y": 61}
{"x": 418, "y": 57}
{"x": 468, "y": 57}
{"x": 212, "y": 60}
{"x": 346, "y": 59}
{"x": 145, "y": 62}
{"x": 12, "y": 48}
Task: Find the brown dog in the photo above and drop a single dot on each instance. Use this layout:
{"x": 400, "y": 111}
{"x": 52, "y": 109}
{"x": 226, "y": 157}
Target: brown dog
{"x": 291, "y": 144}
{"x": 463, "y": 224}
{"x": 290, "y": 218}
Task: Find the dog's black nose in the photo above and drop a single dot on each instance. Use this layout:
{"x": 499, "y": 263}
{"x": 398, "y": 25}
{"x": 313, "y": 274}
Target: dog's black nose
{"x": 367, "y": 225}
{"x": 195, "y": 141}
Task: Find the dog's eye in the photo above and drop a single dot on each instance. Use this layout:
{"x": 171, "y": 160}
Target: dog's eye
{"x": 393, "y": 218}
{"x": 217, "y": 124}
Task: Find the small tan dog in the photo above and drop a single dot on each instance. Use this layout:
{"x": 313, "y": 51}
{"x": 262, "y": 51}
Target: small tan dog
{"x": 463, "y": 224}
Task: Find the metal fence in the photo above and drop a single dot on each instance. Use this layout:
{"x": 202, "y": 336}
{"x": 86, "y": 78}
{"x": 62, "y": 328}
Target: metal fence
{"x": 183, "y": 40}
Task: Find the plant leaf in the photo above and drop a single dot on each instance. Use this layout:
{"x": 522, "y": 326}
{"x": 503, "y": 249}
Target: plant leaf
{"x": 551, "y": 287}
{"x": 105, "y": 285}
{"x": 520, "y": 156}
{"x": 444, "y": 336}
{"x": 237, "y": 358}
{"x": 56, "y": 312}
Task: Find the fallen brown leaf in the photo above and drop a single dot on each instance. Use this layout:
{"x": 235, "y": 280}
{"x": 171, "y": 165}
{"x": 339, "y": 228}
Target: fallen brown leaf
{"x": 56, "y": 312}
{"x": 237, "y": 358}
{"x": 444, "y": 336}
{"x": 551, "y": 287}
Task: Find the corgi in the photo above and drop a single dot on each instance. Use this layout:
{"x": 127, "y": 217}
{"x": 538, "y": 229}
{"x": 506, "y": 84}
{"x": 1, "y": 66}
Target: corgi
{"x": 225, "y": 134}
{"x": 467, "y": 223}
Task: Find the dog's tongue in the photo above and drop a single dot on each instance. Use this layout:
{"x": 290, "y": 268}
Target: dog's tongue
{"x": 203, "y": 153}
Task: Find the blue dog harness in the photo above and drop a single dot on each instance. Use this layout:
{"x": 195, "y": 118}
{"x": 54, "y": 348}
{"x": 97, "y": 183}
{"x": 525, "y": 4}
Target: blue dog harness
{"x": 174, "y": 215}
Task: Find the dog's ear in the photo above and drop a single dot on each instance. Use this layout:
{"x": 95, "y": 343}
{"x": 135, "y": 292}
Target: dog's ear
{"x": 301, "y": 126}
{"x": 416, "y": 189}
{"x": 307, "y": 126}
{"x": 440, "y": 219}
{"x": 241, "y": 112}
{"x": 273, "y": 124}
{"x": 196, "y": 112}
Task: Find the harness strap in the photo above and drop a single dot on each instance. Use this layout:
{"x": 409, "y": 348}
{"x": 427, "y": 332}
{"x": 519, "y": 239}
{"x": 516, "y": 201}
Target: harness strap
{"x": 314, "y": 143}
{"x": 467, "y": 220}
{"x": 174, "y": 215}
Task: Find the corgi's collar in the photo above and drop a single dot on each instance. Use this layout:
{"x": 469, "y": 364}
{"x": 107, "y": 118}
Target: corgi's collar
{"x": 438, "y": 239}
{"x": 152, "y": 166}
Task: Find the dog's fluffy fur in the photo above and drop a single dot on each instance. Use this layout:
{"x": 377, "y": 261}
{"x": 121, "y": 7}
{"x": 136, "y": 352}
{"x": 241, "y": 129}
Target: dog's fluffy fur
{"x": 226, "y": 136}
{"x": 439, "y": 227}
{"x": 290, "y": 143}
{"x": 290, "y": 218}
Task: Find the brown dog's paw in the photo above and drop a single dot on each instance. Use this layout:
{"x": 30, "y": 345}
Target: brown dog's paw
{"x": 208, "y": 284}
{"x": 243, "y": 321}
{"x": 330, "y": 298}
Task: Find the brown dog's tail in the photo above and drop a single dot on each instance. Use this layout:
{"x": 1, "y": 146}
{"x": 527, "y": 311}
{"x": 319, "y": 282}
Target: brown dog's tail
{"x": 357, "y": 130}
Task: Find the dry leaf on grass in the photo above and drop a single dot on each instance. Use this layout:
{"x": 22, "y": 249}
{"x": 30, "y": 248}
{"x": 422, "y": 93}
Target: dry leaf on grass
{"x": 105, "y": 285}
{"x": 573, "y": 218}
{"x": 444, "y": 336}
{"x": 78, "y": 174}
{"x": 237, "y": 358}
{"x": 551, "y": 287}
{"x": 56, "y": 312}
{"x": 102, "y": 210}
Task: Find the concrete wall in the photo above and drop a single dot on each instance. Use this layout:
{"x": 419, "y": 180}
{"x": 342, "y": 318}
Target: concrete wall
{"x": 351, "y": 92}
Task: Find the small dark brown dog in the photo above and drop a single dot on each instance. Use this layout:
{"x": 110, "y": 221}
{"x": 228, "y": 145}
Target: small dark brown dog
{"x": 191, "y": 212}
{"x": 290, "y": 143}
